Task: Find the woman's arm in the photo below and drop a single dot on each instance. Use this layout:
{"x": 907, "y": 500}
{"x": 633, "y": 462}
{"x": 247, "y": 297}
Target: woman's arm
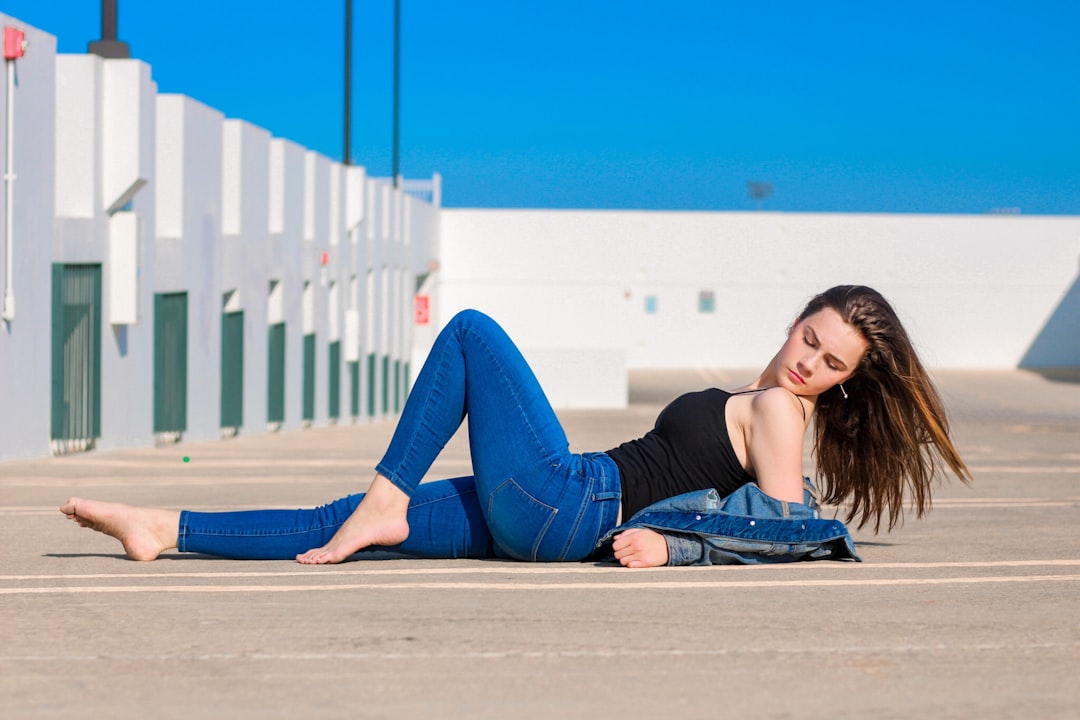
{"x": 775, "y": 443}
{"x": 640, "y": 548}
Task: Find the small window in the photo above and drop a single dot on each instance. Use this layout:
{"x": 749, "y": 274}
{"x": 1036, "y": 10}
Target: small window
{"x": 650, "y": 304}
{"x": 706, "y": 301}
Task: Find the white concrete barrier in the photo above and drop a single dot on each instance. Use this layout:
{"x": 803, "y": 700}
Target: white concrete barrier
{"x": 698, "y": 289}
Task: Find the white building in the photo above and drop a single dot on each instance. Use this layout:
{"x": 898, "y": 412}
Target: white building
{"x": 178, "y": 274}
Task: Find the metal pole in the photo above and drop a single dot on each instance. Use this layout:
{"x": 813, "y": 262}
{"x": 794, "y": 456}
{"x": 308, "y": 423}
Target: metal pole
{"x": 108, "y": 46}
{"x": 108, "y": 19}
{"x": 397, "y": 88}
{"x": 9, "y": 198}
{"x": 348, "y": 80}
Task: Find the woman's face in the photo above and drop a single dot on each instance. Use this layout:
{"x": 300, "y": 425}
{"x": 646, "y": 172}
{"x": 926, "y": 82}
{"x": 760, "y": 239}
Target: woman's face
{"x": 821, "y": 351}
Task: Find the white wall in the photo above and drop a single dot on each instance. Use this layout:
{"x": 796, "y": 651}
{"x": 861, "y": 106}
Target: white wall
{"x": 974, "y": 291}
{"x": 128, "y": 156}
{"x": 25, "y": 340}
{"x": 104, "y": 148}
{"x": 245, "y": 240}
{"x": 286, "y": 224}
{"x": 189, "y": 246}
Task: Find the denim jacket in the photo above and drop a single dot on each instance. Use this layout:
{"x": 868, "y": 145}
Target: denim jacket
{"x": 746, "y": 527}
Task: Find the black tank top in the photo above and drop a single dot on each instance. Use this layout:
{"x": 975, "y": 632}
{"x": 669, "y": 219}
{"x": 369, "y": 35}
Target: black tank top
{"x": 688, "y": 449}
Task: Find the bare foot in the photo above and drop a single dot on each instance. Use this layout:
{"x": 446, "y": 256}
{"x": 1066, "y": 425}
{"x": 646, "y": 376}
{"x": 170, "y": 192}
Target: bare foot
{"x": 379, "y": 519}
{"x": 144, "y": 532}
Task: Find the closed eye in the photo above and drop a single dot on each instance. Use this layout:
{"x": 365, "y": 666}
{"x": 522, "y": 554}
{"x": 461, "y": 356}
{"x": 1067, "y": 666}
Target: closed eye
{"x": 832, "y": 363}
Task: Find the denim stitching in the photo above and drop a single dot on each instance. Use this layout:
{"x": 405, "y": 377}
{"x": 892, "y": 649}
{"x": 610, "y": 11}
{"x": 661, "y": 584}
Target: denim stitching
{"x": 586, "y": 501}
{"x": 443, "y": 497}
{"x": 181, "y": 534}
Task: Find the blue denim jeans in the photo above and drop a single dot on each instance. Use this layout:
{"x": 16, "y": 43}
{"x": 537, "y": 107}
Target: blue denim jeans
{"x": 529, "y": 497}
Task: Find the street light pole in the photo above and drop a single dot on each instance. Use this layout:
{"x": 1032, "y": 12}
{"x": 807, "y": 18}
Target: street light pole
{"x": 348, "y": 80}
{"x": 397, "y": 88}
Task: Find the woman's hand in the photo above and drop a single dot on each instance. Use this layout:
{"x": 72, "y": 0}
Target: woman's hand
{"x": 640, "y": 548}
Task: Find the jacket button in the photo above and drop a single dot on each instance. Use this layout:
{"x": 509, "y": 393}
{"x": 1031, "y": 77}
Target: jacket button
{"x": 698, "y": 517}
{"x": 752, "y": 522}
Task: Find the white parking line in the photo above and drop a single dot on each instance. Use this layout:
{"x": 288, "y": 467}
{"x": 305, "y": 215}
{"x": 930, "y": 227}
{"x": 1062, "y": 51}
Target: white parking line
{"x": 55, "y": 511}
{"x": 546, "y": 569}
{"x": 1026, "y": 469}
{"x": 1011, "y": 506}
{"x": 537, "y": 587}
{"x": 1002, "y": 500}
{"x": 529, "y": 654}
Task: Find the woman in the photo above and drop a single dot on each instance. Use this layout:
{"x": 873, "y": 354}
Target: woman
{"x": 880, "y": 434}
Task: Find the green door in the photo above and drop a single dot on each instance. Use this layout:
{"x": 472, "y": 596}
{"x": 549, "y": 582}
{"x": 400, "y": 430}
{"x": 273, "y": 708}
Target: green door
{"x": 275, "y": 374}
{"x": 371, "y": 384}
{"x": 170, "y": 362}
{"x": 76, "y": 352}
{"x": 334, "y": 380}
{"x": 354, "y": 388}
{"x": 385, "y": 384}
{"x": 232, "y": 370}
{"x": 309, "y": 377}
{"x": 398, "y": 389}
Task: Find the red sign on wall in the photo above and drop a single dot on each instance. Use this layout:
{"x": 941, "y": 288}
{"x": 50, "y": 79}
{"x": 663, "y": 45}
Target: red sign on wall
{"x": 422, "y": 309}
{"x": 14, "y": 43}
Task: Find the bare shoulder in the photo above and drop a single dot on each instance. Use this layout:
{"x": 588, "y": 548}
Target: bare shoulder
{"x": 774, "y": 434}
{"x": 777, "y": 406}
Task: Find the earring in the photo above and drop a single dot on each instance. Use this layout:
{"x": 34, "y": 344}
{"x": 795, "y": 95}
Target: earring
{"x": 843, "y": 390}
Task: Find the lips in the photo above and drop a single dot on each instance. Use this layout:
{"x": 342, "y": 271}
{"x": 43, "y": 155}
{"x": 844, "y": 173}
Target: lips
{"x": 796, "y": 377}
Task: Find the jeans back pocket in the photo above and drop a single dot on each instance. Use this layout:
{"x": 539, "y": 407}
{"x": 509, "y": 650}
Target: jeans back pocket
{"x": 517, "y": 520}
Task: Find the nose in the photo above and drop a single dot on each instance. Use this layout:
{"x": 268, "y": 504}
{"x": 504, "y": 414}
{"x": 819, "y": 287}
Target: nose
{"x": 806, "y": 366}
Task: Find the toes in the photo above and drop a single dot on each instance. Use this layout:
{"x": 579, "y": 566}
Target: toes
{"x": 318, "y": 556}
{"x": 310, "y": 557}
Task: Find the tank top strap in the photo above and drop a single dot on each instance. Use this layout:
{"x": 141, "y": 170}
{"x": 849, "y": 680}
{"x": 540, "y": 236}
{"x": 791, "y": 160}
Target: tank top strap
{"x": 747, "y": 392}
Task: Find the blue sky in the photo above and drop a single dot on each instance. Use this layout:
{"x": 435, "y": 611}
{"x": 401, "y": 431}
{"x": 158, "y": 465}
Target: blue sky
{"x": 936, "y": 107}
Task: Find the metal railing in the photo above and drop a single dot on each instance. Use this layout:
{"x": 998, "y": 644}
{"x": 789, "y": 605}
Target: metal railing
{"x": 428, "y": 190}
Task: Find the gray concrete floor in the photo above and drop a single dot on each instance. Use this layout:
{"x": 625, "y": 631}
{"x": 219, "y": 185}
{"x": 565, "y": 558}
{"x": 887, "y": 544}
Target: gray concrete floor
{"x": 971, "y": 612}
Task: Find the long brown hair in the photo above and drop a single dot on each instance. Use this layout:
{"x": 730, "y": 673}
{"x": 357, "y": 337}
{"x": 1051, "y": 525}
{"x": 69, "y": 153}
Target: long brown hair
{"x": 889, "y": 437}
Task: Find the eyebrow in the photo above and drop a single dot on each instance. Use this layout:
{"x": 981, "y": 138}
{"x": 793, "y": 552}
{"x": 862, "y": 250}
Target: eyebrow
{"x": 840, "y": 364}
